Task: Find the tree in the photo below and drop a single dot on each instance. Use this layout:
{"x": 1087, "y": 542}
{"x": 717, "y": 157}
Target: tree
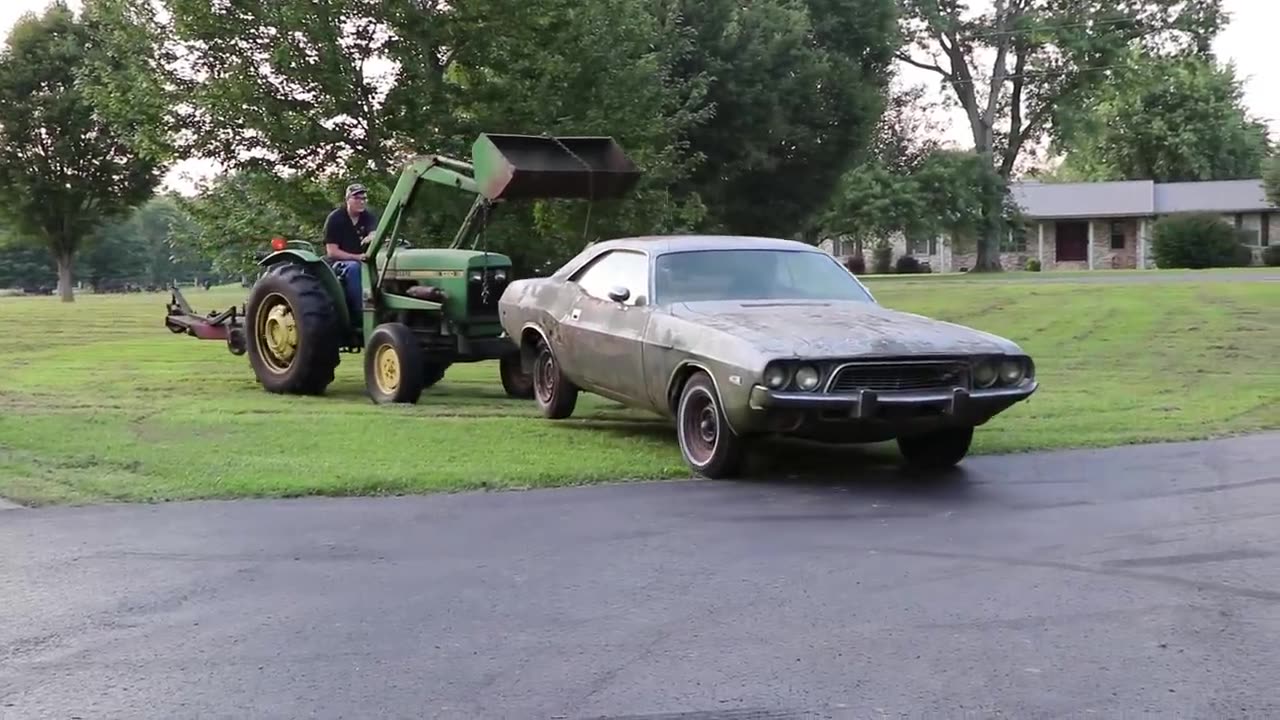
{"x": 304, "y": 97}
{"x": 946, "y": 192}
{"x": 1045, "y": 57}
{"x": 796, "y": 87}
{"x": 145, "y": 249}
{"x": 1271, "y": 179}
{"x": 1165, "y": 119}
{"x": 64, "y": 169}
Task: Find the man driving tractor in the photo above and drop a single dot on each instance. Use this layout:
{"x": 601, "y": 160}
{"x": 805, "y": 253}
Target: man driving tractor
{"x": 346, "y": 232}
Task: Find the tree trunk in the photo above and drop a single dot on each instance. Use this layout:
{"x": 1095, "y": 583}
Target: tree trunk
{"x": 64, "y": 278}
{"x": 988, "y": 256}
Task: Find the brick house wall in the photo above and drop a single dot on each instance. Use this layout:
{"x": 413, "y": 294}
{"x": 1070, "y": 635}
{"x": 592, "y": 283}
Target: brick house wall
{"x": 1118, "y": 252}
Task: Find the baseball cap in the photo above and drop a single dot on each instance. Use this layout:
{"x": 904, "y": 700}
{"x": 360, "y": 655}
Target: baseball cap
{"x": 356, "y": 189}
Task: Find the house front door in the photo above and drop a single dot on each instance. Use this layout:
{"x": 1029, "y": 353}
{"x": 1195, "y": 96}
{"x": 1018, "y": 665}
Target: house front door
{"x": 1071, "y": 240}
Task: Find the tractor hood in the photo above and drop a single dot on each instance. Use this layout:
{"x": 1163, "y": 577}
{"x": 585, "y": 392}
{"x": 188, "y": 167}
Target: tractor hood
{"x": 442, "y": 262}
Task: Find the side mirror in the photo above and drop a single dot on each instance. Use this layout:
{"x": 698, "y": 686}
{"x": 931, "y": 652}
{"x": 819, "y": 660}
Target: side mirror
{"x": 618, "y": 293}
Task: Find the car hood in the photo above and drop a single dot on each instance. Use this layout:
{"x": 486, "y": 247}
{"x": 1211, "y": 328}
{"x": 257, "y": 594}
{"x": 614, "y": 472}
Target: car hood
{"x": 838, "y": 329}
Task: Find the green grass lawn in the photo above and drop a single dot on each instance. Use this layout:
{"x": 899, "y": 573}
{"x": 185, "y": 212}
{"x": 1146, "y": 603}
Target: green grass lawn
{"x": 98, "y": 401}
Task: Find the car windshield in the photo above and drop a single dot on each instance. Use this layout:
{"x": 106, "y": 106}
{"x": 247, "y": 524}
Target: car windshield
{"x": 753, "y": 275}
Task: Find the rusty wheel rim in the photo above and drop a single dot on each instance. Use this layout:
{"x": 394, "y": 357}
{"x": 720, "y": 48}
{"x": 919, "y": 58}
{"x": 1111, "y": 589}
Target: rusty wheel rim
{"x": 544, "y": 377}
{"x": 700, "y": 427}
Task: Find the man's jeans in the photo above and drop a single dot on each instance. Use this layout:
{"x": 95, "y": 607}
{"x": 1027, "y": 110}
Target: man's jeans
{"x": 348, "y": 272}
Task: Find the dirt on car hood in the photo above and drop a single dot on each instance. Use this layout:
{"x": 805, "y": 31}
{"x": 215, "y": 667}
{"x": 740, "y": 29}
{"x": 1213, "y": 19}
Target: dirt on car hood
{"x": 838, "y": 328}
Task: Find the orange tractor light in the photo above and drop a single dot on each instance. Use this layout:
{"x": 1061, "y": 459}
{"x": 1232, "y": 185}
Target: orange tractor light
{"x": 278, "y": 243}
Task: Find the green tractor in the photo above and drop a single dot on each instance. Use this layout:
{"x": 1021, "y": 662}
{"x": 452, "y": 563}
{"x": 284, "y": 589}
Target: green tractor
{"x": 423, "y": 308}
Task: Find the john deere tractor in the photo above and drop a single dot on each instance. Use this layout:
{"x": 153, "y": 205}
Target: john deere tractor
{"x": 423, "y": 308}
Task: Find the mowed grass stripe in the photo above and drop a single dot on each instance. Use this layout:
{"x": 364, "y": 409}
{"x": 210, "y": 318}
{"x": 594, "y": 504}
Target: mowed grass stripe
{"x": 99, "y": 402}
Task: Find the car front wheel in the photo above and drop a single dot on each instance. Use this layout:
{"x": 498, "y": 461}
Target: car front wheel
{"x": 936, "y": 450}
{"x": 708, "y": 444}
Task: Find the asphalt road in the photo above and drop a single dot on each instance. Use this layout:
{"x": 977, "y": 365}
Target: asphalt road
{"x": 1139, "y": 582}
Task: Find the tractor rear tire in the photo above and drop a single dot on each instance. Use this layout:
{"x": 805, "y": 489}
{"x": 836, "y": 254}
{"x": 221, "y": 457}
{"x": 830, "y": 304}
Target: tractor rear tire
{"x": 394, "y": 368}
{"x": 291, "y": 331}
{"x": 515, "y": 381}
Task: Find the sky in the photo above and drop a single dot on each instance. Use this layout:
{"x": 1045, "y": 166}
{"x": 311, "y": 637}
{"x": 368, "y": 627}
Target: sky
{"x": 1245, "y": 42}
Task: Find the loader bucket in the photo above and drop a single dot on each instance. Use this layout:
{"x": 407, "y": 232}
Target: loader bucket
{"x": 514, "y": 167}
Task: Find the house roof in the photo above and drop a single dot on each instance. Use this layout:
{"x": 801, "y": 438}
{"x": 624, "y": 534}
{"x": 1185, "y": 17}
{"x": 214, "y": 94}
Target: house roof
{"x": 1085, "y": 199}
{"x": 1138, "y": 198}
{"x": 1214, "y": 196}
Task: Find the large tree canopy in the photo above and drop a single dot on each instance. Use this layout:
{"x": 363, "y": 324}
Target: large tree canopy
{"x": 797, "y": 89}
{"x": 742, "y": 116}
{"x": 64, "y": 169}
{"x": 1014, "y": 67}
{"x": 344, "y": 90}
{"x": 1164, "y": 119}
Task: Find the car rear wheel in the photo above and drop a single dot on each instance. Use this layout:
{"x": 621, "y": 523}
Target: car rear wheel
{"x": 708, "y": 444}
{"x": 936, "y": 450}
{"x": 556, "y": 394}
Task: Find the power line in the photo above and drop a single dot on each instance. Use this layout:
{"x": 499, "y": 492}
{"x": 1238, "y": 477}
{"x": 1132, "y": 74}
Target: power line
{"x": 1032, "y": 74}
{"x": 1043, "y": 28}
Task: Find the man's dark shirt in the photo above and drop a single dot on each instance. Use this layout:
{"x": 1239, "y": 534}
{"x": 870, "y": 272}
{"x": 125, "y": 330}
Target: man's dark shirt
{"x": 340, "y": 230}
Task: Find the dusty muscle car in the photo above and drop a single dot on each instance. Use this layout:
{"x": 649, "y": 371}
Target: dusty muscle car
{"x": 734, "y": 337}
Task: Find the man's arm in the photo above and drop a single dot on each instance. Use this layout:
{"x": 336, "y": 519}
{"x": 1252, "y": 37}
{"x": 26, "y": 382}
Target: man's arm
{"x": 332, "y": 250}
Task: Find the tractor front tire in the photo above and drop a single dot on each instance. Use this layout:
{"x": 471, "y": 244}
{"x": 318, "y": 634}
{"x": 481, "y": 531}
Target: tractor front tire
{"x": 291, "y": 330}
{"x": 433, "y": 373}
{"x": 515, "y": 381}
{"x": 394, "y": 369}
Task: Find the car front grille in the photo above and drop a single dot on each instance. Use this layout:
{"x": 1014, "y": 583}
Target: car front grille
{"x": 900, "y": 377}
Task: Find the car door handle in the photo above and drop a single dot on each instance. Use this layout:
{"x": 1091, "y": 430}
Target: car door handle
{"x": 574, "y": 315}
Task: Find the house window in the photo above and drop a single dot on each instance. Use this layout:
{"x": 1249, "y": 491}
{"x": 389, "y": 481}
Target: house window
{"x": 926, "y": 245}
{"x": 1015, "y": 240}
{"x": 1117, "y": 235}
{"x": 1265, "y": 229}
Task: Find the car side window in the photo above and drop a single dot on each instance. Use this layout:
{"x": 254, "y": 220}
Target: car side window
{"x": 617, "y": 268}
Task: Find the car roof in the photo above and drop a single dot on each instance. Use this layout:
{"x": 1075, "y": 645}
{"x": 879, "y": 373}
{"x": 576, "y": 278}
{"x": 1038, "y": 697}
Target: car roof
{"x": 662, "y": 244}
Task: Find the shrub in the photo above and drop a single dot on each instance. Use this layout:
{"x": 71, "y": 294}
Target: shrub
{"x": 882, "y": 258}
{"x": 907, "y": 264}
{"x": 857, "y": 265}
{"x": 1197, "y": 241}
{"x": 1271, "y": 256}
{"x": 1033, "y": 265}
{"x": 1243, "y": 256}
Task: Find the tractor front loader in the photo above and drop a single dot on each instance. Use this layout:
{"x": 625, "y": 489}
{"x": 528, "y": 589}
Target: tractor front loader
{"x": 422, "y": 308}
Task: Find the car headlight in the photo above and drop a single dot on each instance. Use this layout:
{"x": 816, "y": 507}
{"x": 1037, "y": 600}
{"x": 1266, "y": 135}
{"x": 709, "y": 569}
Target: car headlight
{"x": 807, "y": 377}
{"x": 775, "y": 376}
{"x": 1011, "y": 371}
{"x": 985, "y": 374}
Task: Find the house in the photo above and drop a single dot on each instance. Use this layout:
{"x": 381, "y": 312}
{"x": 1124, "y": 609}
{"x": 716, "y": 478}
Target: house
{"x": 1100, "y": 225}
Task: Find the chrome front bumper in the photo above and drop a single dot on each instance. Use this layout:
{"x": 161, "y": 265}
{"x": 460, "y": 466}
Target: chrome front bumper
{"x": 865, "y": 404}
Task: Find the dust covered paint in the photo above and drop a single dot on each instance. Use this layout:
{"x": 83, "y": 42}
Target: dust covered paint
{"x": 768, "y": 324}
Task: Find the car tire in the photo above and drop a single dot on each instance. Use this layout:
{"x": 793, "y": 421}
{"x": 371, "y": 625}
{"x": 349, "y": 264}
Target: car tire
{"x": 936, "y": 450}
{"x": 709, "y": 446}
{"x": 515, "y": 381}
{"x": 555, "y": 394}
